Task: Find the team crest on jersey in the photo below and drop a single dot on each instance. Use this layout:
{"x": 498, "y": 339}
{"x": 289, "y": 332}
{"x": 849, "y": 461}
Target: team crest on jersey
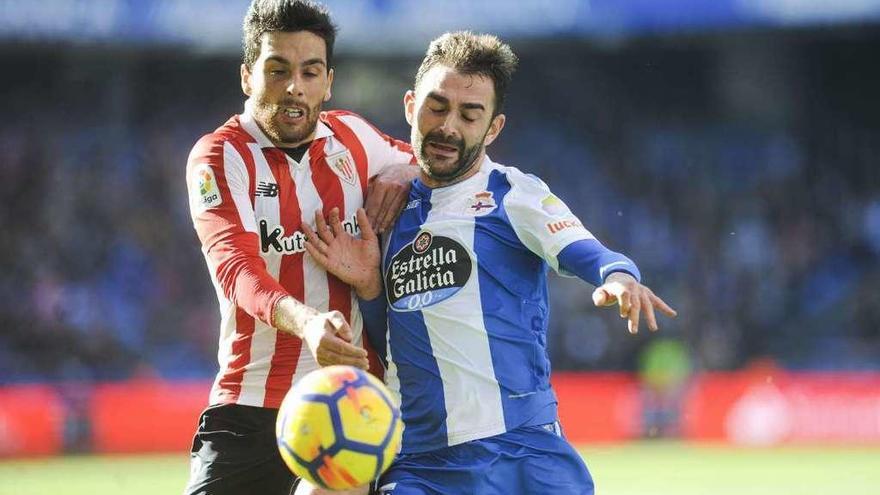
{"x": 422, "y": 242}
{"x": 342, "y": 164}
{"x": 480, "y": 204}
{"x": 205, "y": 187}
{"x": 426, "y": 271}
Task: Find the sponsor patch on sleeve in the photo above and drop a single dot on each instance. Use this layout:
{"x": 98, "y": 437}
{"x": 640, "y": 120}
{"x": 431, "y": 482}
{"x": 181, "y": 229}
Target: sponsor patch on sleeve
{"x": 207, "y": 194}
{"x": 553, "y": 206}
{"x": 556, "y": 227}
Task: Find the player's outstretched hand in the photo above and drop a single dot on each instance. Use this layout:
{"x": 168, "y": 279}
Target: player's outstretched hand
{"x": 329, "y": 339}
{"x": 387, "y": 193}
{"x": 355, "y": 261}
{"x": 634, "y": 298}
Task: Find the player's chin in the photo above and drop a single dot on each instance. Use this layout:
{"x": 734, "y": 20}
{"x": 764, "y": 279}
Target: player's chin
{"x": 444, "y": 167}
{"x": 290, "y": 134}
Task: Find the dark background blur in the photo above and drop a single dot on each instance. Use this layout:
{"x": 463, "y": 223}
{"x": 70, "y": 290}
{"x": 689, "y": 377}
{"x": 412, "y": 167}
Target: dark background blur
{"x": 733, "y": 156}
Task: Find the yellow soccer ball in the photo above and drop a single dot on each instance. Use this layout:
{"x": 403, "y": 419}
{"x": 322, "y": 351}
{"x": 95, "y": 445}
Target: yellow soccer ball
{"x": 338, "y": 428}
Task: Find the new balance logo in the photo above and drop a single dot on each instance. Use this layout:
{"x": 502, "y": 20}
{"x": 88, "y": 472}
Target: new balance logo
{"x": 267, "y": 189}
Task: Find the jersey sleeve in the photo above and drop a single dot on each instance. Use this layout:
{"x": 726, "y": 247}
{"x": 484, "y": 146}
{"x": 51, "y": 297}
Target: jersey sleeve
{"x": 548, "y": 228}
{"x": 542, "y": 221}
{"x": 592, "y": 262}
{"x": 222, "y": 213}
{"x": 375, "y": 315}
{"x": 382, "y": 150}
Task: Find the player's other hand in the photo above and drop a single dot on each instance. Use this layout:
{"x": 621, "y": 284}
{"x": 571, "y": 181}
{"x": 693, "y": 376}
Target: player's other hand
{"x": 633, "y": 298}
{"x": 387, "y": 193}
{"x": 354, "y": 261}
{"x": 329, "y": 337}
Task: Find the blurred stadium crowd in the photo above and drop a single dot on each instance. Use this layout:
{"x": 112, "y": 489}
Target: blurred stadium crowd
{"x": 740, "y": 171}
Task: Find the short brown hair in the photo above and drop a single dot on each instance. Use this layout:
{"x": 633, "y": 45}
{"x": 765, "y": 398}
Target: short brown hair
{"x": 265, "y": 16}
{"x": 470, "y": 53}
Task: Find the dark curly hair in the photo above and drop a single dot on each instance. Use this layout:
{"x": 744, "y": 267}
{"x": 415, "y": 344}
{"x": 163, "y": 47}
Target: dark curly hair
{"x": 266, "y": 16}
{"x": 471, "y": 53}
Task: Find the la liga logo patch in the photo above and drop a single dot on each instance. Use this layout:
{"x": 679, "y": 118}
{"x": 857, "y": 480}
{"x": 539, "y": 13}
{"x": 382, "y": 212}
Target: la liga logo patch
{"x": 207, "y": 194}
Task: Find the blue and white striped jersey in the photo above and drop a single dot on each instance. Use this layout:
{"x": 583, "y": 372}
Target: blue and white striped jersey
{"x": 465, "y": 272}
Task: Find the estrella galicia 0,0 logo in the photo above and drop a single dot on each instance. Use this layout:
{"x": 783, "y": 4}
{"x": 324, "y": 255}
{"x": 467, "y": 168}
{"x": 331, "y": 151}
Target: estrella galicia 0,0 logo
{"x": 426, "y": 271}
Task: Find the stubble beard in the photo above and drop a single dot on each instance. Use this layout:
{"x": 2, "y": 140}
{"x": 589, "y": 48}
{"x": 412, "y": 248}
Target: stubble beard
{"x": 266, "y": 114}
{"x": 466, "y": 156}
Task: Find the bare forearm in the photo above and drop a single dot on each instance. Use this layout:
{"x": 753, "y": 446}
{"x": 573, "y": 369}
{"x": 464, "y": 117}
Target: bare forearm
{"x": 290, "y": 316}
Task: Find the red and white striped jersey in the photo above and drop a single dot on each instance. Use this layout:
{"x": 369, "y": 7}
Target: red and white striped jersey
{"x": 248, "y": 200}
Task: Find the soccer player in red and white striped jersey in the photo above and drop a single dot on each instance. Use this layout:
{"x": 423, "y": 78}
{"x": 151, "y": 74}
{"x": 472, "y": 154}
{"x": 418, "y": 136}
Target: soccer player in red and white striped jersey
{"x": 252, "y": 184}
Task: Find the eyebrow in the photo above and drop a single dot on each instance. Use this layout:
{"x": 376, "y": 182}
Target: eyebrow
{"x": 315, "y": 61}
{"x": 444, "y": 100}
{"x": 281, "y": 60}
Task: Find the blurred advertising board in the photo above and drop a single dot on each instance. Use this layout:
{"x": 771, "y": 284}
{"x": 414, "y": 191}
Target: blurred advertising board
{"x": 773, "y": 407}
{"x": 755, "y": 408}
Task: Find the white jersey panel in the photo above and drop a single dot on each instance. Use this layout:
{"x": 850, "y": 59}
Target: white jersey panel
{"x": 459, "y": 339}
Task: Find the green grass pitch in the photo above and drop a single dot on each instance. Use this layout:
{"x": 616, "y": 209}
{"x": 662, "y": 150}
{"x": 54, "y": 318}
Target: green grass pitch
{"x": 655, "y": 468}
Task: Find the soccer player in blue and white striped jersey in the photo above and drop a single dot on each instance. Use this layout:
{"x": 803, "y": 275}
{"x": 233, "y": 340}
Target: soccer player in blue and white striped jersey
{"x": 465, "y": 278}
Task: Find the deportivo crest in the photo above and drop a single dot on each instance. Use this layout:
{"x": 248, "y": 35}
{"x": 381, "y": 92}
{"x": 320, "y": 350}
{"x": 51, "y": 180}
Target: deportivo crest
{"x": 480, "y": 204}
{"x": 342, "y": 164}
{"x": 426, "y": 271}
{"x": 204, "y": 188}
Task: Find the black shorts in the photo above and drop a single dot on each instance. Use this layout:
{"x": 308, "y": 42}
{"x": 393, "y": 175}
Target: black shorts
{"x": 234, "y": 452}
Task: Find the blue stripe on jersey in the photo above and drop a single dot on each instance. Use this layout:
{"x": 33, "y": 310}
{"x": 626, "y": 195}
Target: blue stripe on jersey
{"x": 513, "y": 293}
{"x": 421, "y": 388}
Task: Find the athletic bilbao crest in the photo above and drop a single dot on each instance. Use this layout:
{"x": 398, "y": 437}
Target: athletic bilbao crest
{"x": 342, "y": 165}
{"x": 426, "y": 271}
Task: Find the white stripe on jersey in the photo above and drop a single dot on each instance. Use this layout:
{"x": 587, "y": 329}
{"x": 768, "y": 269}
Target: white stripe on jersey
{"x": 317, "y": 291}
{"x": 461, "y": 344}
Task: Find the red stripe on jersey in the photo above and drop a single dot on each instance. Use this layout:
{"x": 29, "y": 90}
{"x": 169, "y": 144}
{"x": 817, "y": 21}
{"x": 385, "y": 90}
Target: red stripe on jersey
{"x": 376, "y": 366}
{"x": 354, "y": 145}
{"x": 240, "y": 356}
{"x": 287, "y": 346}
{"x": 330, "y": 190}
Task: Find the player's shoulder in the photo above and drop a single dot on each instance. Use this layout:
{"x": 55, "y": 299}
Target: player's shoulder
{"x": 212, "y": 143}
{"x": 350, "y": 120}
{"x": 327, "y": 116}
{"x": 516, "y": 178}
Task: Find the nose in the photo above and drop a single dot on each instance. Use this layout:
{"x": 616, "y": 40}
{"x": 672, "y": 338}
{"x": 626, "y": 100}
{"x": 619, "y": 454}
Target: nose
{"x": 448, "y": 126}
{"x": 294, "y": 87}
